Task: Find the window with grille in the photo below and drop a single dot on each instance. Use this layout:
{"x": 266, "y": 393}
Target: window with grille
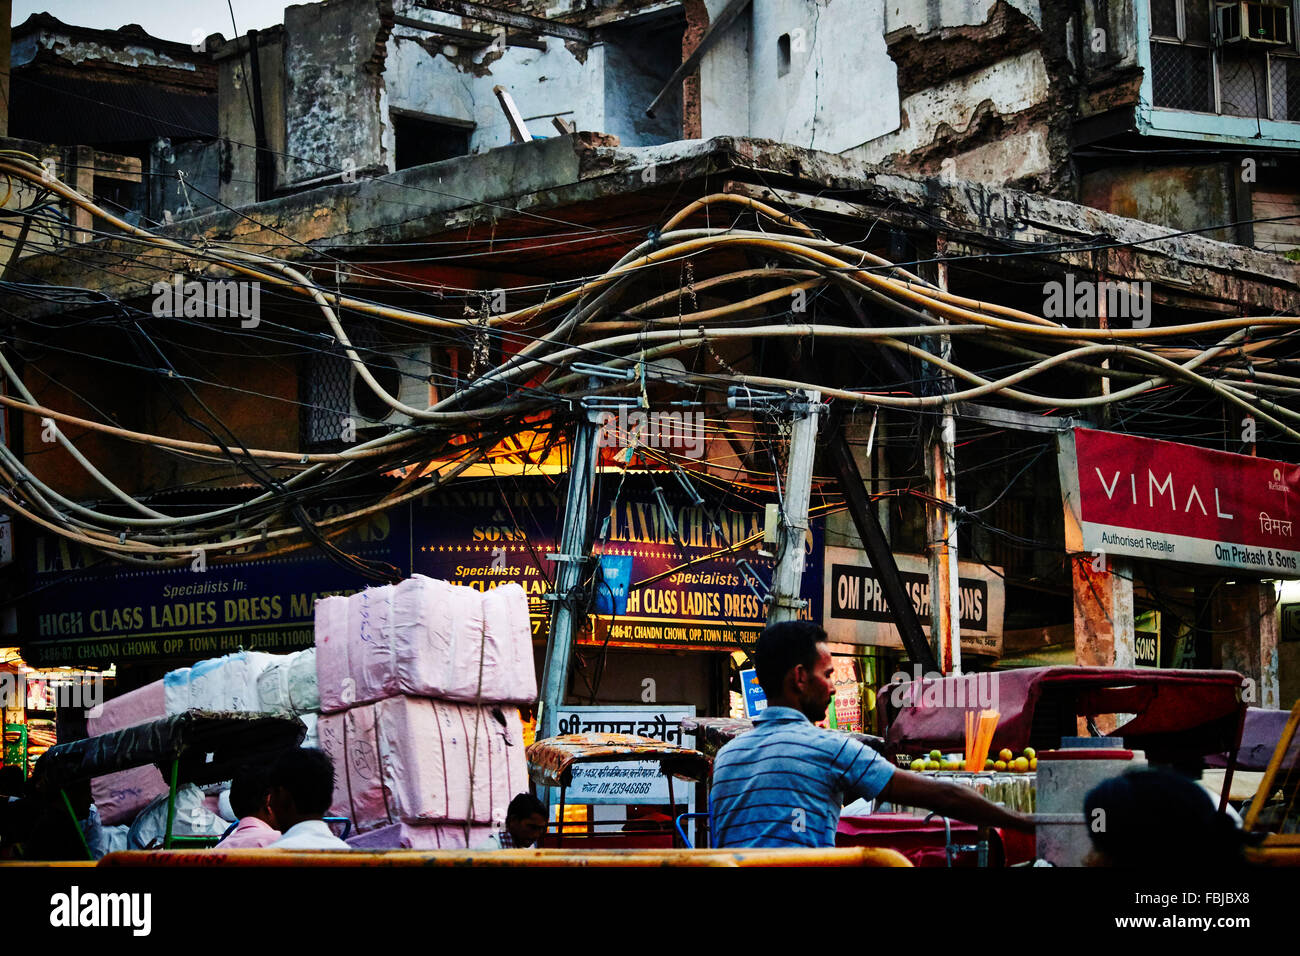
{"x": 1191, "y": 69}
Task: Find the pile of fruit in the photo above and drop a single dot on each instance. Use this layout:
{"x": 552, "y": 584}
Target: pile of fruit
{"x": 1006, "y": 762}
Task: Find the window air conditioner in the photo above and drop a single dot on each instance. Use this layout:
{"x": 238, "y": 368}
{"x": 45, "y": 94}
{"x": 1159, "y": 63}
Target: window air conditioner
{"x": 1254, "y": 22}
{"x": 406, "y": 374}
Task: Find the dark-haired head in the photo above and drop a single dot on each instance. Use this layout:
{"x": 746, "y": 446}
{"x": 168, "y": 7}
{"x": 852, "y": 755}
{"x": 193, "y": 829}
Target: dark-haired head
{"x": 301, "y": 786}
{"x": 526, "y": 820}
{"x": 794, "y": 667}
{"x": 249, "y": 791}
{"x": 1149, "y": 818}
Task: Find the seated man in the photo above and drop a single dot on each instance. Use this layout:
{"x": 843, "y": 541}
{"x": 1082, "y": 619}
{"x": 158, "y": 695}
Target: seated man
{"x": 302, "y": 786}
{"x": 250, "y": 800}
{"x": 783, "y": 783}
{"x": 525, "y": 824}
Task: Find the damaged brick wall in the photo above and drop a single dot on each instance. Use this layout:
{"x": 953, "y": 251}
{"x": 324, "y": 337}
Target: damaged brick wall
{"x": 336, "y": 111}
{"x": 1004, "y": 90}
{"x": 697, "y": 23}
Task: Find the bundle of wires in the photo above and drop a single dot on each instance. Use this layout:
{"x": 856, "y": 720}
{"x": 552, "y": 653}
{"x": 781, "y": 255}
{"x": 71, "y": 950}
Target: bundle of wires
{"x": 629, "y": 320}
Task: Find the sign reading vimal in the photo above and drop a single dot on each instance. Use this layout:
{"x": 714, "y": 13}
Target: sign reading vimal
{"x": 1157, "y": 499}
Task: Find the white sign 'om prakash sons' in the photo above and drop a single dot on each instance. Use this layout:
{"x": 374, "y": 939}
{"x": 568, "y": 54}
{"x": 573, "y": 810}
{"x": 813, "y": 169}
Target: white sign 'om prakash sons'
{"x": 1274, "y": 524}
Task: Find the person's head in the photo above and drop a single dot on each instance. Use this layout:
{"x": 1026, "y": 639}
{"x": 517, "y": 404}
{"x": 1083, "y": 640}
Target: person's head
{"x": 525, "y": 819}
{"x": 795, "y": 668}
{"x": 1147, "y": 818}
{"x": 250, "y": 793}
{"x": 301, "y": 786}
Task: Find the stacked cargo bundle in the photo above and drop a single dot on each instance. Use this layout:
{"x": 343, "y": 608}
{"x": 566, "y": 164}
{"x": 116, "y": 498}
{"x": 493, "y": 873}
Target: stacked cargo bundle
{"x": 419, "y": 686}
{"x": 249, "y": 682}
{"x": 120, "y": 796}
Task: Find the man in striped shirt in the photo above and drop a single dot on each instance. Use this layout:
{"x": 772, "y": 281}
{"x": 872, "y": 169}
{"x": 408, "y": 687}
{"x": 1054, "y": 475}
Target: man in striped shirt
{"x": 783, "y": 783}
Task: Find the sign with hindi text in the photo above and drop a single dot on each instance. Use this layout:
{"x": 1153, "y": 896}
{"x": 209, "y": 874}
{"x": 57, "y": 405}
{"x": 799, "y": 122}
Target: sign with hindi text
{"x": 626, "y": 781}
{"x": 1162, "y": 500}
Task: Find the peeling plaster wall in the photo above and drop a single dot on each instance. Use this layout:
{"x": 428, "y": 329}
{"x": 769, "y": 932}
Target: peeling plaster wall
{"x": 602, "y": 88}
{"x": 237, "y": 162}
{"x": 987, "y": 92}
{"x": 840, "y": 88}
{"x": 1008, "y": 86}
{"x": 449, "y": 84}
{"x": 724, "y": 79}
{"x": 926, "y": 16}
{"x": 335, "y": 112}
{"x": 74, "y": 51}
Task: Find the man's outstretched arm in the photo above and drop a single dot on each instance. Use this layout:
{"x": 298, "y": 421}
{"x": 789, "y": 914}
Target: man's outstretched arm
{"x": 960, "y": 803}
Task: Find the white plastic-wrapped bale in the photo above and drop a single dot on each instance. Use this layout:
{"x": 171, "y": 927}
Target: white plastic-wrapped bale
{"x": 176, "y": 691}
{"x": 287, "y": 685}
{"x": 228, "y": 683}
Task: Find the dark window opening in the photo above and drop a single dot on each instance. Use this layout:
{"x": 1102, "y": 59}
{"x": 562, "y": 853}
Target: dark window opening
{"x": 783, "y": 54}
{"x": 419, "y": 140}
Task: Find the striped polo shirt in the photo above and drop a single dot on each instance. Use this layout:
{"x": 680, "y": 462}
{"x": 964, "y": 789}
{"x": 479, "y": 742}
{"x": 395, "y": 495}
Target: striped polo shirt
{"x": 783, "y": 783}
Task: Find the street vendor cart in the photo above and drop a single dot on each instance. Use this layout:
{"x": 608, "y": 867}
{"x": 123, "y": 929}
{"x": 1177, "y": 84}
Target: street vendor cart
{"x": 551, "y": 763}
{"x": 198, "y": 747}
{"x": 1160, "y": 716}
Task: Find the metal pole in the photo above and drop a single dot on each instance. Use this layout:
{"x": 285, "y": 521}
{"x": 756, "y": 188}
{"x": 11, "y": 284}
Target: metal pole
{"x": 785, "y": 601}
{"x": 945, "y": 592}
{"x": 76, "y": 824}
{"x": 876, "y": 544}
{"x": 171, "y": 803}
{"x": 575, "y": 541}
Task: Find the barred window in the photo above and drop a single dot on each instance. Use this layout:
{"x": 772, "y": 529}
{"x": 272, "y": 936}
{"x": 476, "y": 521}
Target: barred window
{"x": 1192, "y": 69}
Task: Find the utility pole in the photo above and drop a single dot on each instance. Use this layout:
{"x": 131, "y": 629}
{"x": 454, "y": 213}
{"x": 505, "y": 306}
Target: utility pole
{"x": 575, "y": 543}
{"x": 941, "y": 458}
{"x": 785, "y": 601}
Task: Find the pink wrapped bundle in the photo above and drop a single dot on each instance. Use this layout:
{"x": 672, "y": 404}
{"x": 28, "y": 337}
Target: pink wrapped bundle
{"x": 409, "y": 759}
{"x": 406, "y": 836}
{"x": 437, "y": 638}
{"x": 425, "y": 638}
{"x": 120, "y": 796}
{"x": 418, "y": 760}
{"x": 370, "y": 648}
{"x": 334, "y": 678}
{"x": 350, "y": 739}
{"x": 509, "y": 644}
{"x": 484, "y": 745}
{"x": 366, "y": 784}
{"x": 329, "y": 732}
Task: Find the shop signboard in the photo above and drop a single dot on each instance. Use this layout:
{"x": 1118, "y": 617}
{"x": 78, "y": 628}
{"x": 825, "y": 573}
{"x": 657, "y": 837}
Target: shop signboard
{"x": 1161, "y": 500}
{"x": 858, "y": 613}
{"x": 1146, "y": 639}
{"x": 666, "y": 576}
{"x": 626, "y": 781}
{"x": 755, "y": 699}
{"x": 654, "y": 587}
{"x": 86, "y": 609}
